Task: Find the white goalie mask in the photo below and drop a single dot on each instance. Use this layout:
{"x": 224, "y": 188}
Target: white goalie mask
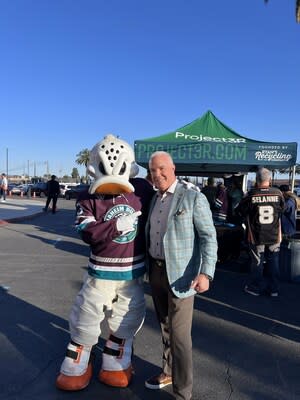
{"x": 111, "y": 164}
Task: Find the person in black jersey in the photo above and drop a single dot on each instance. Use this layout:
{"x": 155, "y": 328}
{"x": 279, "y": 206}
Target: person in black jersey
{"x": 261, "y": 209}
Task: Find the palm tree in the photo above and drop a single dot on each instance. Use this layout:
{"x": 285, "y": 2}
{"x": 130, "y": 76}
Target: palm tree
{"x": 83, "y": 158}
{"x": 297, "y": 10}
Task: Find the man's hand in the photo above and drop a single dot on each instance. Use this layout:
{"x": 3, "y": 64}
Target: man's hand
{"x": 127, "y": 223}
{"x": 200, "y": 283}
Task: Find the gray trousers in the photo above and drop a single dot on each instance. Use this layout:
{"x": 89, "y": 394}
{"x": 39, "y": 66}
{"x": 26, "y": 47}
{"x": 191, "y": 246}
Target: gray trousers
{"x": 175, "y": 317}
{"x": 128, "y": 311}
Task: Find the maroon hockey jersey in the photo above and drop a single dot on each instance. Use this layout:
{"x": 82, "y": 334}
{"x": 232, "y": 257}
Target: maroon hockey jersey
{"x": 114, "y": 256}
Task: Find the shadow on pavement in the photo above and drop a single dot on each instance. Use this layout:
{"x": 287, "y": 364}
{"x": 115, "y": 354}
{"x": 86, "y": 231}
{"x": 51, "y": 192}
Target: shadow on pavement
{"x": 33, "y": 344}
{"x": 275, "y": 316}
{"x": 243, "y": 347}
{"x": 256, "y": 337}
{"x": 49, "y": 227}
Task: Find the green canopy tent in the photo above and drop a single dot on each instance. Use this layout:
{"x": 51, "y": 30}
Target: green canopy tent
{"x": 207, "y": 146}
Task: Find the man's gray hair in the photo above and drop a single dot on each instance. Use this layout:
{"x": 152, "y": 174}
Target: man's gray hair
{"x": 160, "y": 153}
{"x": 263, "y": 175}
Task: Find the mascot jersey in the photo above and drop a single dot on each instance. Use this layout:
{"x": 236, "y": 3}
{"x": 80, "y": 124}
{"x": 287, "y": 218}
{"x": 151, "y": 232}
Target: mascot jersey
{"x": 114, "y": 256}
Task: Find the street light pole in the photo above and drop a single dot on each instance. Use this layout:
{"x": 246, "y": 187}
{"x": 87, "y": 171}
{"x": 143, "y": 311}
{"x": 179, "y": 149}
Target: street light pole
{"x": 7, "y": 163}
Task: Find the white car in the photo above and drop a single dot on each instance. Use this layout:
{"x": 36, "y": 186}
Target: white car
{"x": 66, "y": 186}
{"x": 21, "y": 189}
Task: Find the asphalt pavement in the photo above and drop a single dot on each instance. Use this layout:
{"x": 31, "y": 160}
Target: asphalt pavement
{"x": 20, "y": 208}
{"x": 244, "y": 348}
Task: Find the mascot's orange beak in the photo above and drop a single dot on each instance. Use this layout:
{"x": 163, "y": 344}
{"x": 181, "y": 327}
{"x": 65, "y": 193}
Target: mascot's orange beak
{"x": 111, "y": 185}
{"x": 113, "y": 188}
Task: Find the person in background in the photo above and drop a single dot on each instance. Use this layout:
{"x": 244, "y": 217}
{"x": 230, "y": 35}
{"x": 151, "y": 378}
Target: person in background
{"x": 182, "y": 246}
{"x": 288, "y": 217}
{"x": 4, "y": 186}
{"x": 262, "y": 208}
{"x": 148, "y": 177}
{"x": 220, "y": 209}
{"x": 210, "y": 192}
{"x": 53, "y": 191}
{"x": 235, "y": 195}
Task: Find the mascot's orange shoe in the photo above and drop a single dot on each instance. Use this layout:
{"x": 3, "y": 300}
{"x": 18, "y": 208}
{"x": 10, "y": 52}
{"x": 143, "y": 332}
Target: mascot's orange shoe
{"x": 116, "y": 378}
{"x": 73, "y": 383}
{"x": 116, "y": 362}
{"x": 76, "y": 370}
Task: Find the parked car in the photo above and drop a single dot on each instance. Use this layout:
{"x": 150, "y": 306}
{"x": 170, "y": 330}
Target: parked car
{"x": 11, "y": 185}
{"x": 39, "y": 189}
{"x": 73, "y": 192}
{"x": 66, "y": 186}
{"x": 62, "y": 189}
{"x": 16, "y": 189}
{"x": 297, "y": 191}
{"x": 21, "y": 189}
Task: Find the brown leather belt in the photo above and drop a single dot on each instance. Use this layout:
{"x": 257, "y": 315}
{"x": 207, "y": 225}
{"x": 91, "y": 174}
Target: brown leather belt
{"x": 159, "y": 263}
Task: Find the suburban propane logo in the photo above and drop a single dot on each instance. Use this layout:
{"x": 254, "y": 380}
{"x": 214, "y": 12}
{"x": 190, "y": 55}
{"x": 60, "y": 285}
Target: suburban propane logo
{"x": 201, "y": 138}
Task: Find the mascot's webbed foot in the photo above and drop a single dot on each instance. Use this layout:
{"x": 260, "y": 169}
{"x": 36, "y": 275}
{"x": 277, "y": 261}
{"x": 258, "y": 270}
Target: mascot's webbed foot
{"x": 76, "y": 370}
{"x": 116, "y": 362}
{"x": 116, "y": 378}
{"x": 74, "y": 383}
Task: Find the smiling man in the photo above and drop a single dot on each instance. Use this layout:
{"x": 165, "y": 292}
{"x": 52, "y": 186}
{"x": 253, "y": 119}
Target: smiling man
{"x": 182, "y": 247}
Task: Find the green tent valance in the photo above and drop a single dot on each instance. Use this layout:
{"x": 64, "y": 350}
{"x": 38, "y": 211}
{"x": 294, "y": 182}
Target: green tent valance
{"x": 208, "y": 145}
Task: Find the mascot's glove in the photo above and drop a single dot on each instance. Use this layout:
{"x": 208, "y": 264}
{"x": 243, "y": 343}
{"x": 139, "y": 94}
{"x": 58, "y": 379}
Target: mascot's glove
{"x": 126, "y": 223}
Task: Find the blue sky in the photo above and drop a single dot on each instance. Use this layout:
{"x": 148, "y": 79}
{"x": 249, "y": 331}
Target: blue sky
{"x": 75, "y": 70}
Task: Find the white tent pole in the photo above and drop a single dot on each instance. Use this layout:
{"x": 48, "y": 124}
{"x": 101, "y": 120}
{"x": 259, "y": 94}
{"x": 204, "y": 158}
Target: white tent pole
{"x": 293, "y": 177}
{"x": 245, "y": 181}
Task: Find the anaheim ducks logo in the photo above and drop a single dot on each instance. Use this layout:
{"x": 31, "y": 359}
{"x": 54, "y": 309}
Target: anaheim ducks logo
{"x": 116, "y": 212}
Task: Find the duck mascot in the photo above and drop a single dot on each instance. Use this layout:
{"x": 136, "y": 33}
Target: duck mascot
{"x": 110, "y": 218}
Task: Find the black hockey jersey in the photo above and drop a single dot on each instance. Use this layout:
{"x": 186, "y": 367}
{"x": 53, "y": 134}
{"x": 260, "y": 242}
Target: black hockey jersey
{"x": 262, "y": 208}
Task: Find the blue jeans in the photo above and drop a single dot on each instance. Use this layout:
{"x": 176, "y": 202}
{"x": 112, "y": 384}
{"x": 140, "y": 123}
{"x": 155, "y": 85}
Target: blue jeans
{"x": 3, "y": 194}
{"x": 265, "y": 267}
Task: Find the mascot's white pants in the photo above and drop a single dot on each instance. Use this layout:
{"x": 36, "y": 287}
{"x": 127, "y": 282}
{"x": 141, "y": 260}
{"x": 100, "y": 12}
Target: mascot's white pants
{"x": 127, "y": 302}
